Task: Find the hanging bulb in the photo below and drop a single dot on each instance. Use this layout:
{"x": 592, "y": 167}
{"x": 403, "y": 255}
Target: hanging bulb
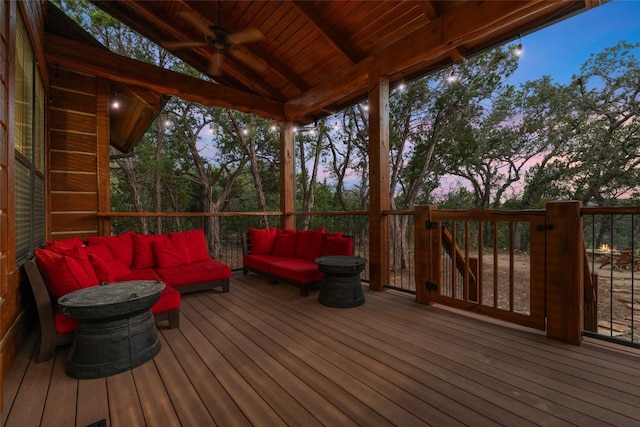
{"x": 518, "y": 50}
{"x": 401, "y": 85}
{"x": 115, "y": 104}
{"x": 452, "y": 77}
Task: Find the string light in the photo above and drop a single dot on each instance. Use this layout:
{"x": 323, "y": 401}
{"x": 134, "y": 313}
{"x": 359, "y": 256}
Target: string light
{"x": 518, "y": 51}
{"x": 401, "y": 85}
{"x": 115, "y": 104}
{"x": 452, "y": 77}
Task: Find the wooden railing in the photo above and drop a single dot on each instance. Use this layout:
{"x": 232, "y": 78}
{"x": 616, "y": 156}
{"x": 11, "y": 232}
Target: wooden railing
{"x": 527, "y": 267}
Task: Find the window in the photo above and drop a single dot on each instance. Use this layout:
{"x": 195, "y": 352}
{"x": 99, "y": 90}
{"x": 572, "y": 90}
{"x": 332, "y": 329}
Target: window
{"x": 29, "y": 146}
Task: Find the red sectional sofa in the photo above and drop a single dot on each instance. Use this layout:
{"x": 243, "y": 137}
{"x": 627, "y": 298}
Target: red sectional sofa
{"x": 289, "y": 255}
{"x": 179, "y": 259}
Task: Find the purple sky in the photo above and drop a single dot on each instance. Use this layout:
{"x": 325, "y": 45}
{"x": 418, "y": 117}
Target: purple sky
{"x": 559, "y": 50}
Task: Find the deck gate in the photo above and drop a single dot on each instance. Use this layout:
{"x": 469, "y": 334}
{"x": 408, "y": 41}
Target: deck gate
{"x": 488, "y": 262}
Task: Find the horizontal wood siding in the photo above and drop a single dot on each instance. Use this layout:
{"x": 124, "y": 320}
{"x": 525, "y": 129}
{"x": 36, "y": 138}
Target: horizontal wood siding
{"x": 73, "y": 155}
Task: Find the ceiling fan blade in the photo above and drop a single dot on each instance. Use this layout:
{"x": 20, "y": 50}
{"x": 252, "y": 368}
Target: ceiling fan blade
{"x": 249, "y": 60}
{"x": 181, "y": 45}
{"x": 215, "y": 64}
{"x": 195, "y": 20}
{"x": 247, "y": 35}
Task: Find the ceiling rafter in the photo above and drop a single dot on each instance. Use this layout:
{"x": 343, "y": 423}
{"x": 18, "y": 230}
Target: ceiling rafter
{"x": 337, "y": 40}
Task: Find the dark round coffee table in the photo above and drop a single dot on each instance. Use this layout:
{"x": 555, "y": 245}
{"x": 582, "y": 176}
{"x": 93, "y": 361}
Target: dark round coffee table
{"x": 116, "y": 330}
{"x": 340, "y": 286}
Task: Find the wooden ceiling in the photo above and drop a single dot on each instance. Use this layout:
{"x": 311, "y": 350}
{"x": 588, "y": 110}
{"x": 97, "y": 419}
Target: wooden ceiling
{"x": 315, "y": 56}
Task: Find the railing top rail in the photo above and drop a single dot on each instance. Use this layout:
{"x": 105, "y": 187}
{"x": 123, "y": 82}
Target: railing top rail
{"x": 605, "y": 210}
{"x": 490, "y": 214}
{"x": 327, "y": 213}
{"x": 183, "y": 214}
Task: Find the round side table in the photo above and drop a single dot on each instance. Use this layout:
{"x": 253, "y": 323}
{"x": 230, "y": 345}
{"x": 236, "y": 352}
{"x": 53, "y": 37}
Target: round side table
{"x": 116, "y": 330}
{"x": 340, "y": 286}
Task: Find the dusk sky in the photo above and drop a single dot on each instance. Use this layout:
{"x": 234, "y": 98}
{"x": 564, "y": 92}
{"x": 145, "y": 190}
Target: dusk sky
{"x": 559, "y": 50}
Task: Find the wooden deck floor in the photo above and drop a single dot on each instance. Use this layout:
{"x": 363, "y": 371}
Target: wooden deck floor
{"x": 262, "y": 355}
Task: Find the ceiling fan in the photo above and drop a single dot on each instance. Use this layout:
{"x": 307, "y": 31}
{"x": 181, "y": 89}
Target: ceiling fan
{"x": 222, "y": 39}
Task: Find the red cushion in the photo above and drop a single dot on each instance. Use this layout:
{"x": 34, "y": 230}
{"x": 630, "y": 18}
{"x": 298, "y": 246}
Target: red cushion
{"x": 102, "y": 269}
{"x": 337, "y": 246}
{"x": 169, "y": 300}
{"x": 79, "y": 254}
{"x": 260, "y": 262}
{"x": 65, "y": 244}
{"x": 143, "y": 255}
{"x": 100, "y": 251}
{"x": 285, "y": 243}
{"x": 64, "y": 324}
{"x": 297, "y": 269}
{"x": 317, "y": 243}
{"x": 62, "y": 274}
{"x": 120, "y": 247}
{"x": 262, "y": 240}
{"x": 139, "y": 274}
{"x": 306, "y": 240}
{"x": 171, "y": 252}
{"x": 196, "y": 243}
{"x": 196, "y": 272}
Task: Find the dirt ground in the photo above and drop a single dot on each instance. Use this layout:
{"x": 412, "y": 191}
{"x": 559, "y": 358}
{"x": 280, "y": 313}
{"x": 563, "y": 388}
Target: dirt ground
{"x": 618, "y": 294}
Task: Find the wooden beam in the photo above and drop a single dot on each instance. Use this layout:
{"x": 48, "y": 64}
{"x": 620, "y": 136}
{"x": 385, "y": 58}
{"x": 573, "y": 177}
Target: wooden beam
{"x": 464, "y": 24}
{"x": 287, "y": 175}
{"x": 98, "y": 62}
{"x": 378, "y": 181}
{"x": 338, "y": 41}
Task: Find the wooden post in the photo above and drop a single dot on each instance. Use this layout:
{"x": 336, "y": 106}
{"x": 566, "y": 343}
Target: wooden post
{"x": 564, "y": 271}
{"x": 287, "y": 175}
{"x": 379, "y": 180}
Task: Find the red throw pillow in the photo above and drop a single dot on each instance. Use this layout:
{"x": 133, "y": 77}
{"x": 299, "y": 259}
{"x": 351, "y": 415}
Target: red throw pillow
{"x": 337, "y": 246}
{"x": 65, "y": 244}
{"x": 100, "y": 251}
{"x": 195, "y": 242}
{"x": 171, "y": 253}
{"x": 62, "y": 274}
{"x": 120, "y": 247}
{"x": 103, "y": 271}
{"x": 143, "y": 256}
{"x": 285, "y": 243}
{"x": 81, "y": 256}
{"x": 262, "y": 240}
{"x": 306, "y": 240}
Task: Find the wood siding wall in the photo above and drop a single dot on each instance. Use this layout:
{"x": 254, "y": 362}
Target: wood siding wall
{"x": 5, "y": 44}
{"x": 76, "y": 137}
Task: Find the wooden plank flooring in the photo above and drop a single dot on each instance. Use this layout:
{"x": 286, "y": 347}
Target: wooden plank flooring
{"x": 262, "y": 355}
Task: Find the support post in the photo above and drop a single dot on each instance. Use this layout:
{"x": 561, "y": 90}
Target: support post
{"x": 287, "y": 175}
{"x": 564, "y": 271}
{"x": 379, "y": 180}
